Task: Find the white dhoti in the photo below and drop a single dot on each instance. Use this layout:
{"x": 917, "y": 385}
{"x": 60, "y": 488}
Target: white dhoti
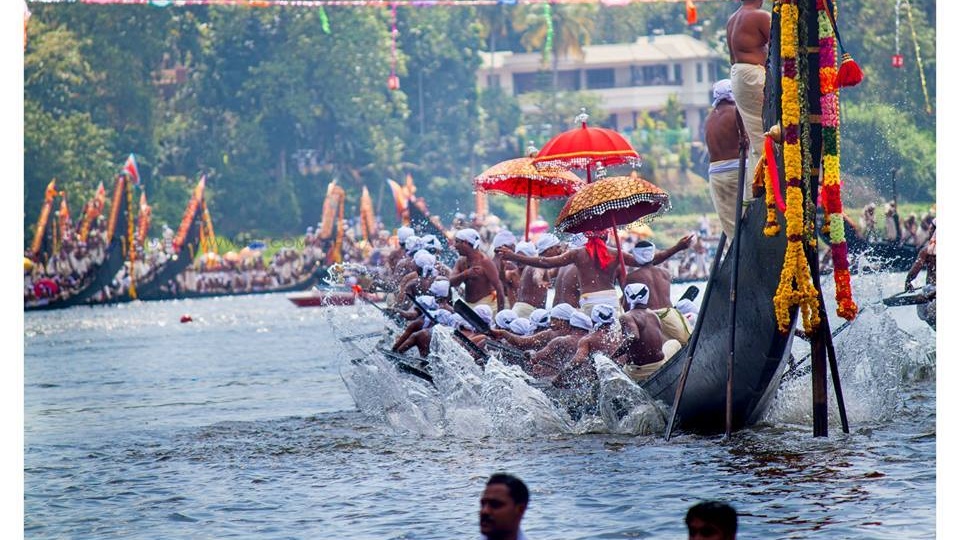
{"x": 723, "y": 190}
{"x": 747, "y": 81}
{"x": 591, "y": 299}
{"x": 642, "y": 373}
{"x": 674, "y": 325}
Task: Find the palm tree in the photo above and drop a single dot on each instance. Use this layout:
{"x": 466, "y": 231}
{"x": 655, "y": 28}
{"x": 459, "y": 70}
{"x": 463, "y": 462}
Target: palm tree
{"x": 572, "y": 26}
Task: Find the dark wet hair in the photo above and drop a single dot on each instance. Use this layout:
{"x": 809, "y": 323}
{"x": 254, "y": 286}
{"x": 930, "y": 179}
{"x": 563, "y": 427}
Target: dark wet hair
{"x": 518, "y": 490}
{"x": 717, "y": 513}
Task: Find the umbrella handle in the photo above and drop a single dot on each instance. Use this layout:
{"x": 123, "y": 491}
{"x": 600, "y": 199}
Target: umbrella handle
{"x": 616, "y": 237}
{"x": 526, "y": 234}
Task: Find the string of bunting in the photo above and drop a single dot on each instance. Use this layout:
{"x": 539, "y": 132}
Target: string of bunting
{"x": 358, "y": 3}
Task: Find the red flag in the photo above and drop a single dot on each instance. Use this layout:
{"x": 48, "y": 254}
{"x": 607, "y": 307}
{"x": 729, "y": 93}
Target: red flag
{"x": 130, "y": 167}
{"x": 691, "y": 13}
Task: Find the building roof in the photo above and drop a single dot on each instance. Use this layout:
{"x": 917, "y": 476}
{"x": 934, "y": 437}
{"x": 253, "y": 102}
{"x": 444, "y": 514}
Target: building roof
{"x": 645, "y": 50}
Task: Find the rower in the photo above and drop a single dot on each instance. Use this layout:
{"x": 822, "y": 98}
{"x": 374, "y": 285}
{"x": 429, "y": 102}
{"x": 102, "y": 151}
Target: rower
{"x": 926, "y": 260}
{"x": 647, "y": 350}
{"x": 477, "y": 272}
{"x": 650, "y": 273}
{"x": 548, "y": 361}
{"x": 605, "y": 339}
{"x": 510, "y": 285}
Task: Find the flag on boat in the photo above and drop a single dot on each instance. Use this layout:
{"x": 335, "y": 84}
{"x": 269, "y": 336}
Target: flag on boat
{"x": 130, "y": 167}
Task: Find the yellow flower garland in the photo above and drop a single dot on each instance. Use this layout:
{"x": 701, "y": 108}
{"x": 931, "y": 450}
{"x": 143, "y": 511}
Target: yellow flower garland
{"x": 796, "y": 285}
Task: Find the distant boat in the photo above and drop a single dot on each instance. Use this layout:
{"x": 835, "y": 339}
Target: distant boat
{"x": 331, "y": 295}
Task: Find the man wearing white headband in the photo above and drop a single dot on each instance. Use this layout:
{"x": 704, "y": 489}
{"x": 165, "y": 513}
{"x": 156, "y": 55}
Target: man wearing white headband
{"x": 521, "y": 326}
{"x": 549, "y": 360}
{"x": 604, "y": 339}
{"x": 398, "y": 262}
{"x": 478, "y": 274}
{"x": 596, "y": 270}
{"x": 724, "y": 137}
{"x": 535, "y": 282}
{"x": 646, "y": 350}
{"x": 541, "y": 318}
{"x": 426, "y": 271}
{"x": 440, "y": 289}
{"x": 656, "y": 277}
{"x": 509, "y": 275}
{"x": 504, "y": 317}
{"x": 556, "y": 326}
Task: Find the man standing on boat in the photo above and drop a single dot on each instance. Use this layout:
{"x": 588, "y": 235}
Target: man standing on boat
{"x": 476, "y": 271}
{"x": 723, "y": 137}
{"x": 748, "y": 39}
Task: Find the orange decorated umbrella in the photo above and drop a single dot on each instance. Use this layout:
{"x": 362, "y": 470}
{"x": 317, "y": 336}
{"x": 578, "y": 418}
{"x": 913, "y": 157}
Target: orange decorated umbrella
{"x": 586, "y": 147}
{"x": 611, "y": 202}
{"x": 520, "y": 178}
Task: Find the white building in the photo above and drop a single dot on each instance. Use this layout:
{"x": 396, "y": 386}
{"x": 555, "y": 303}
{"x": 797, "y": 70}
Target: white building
{"x": 630, "y": 78}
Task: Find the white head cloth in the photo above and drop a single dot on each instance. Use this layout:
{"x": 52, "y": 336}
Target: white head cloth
{"x": 526, "y": 248}
{"x": 470, "y": 236}
{"x": 540, "y": 317}
{"x": 505, "y": 317}
{"x": 431, "y": 242}
{"x": 602, "y": 314}
{"x": 644, "y": 252}
{"x": 412, "y": 243}
{"x": 686, "y": 306}
{"x": 521, "y": 326}
{"x": 403, "y": 233}
{"x": 562, "y": 311}
{"x": 638, "y": 294}
{"x": 440, "y": 288}
{"x": 723, "y": 90}
{"x": 580, "y": 320}
{"x": 424, "y": 259}
{"x": 428, "y": 302}
{"x": 578, "y": 240}
{"x": 504, "y": 238}
{"x": 546, "y": 241}
{"x": 485, "y": 313}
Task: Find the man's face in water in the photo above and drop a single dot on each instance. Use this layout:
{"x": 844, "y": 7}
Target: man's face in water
{"x": 498, "y": 513}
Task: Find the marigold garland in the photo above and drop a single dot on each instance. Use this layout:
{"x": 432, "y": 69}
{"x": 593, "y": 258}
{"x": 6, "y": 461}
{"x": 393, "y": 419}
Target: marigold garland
{"x": 832, "y": 202}
{"x": 796, "y": 285}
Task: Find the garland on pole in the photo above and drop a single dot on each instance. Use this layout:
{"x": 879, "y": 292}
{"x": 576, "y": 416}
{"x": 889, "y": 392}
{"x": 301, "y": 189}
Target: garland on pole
{"x": 832, "y": 202}
{"x": 796, "y": 285}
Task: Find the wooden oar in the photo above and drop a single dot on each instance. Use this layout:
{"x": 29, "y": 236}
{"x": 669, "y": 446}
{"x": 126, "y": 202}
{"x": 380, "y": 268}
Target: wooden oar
{"x": 348, "y": 339}
{"x": 392, "y": 316}
{"x": 695, "y": 337}
{"x": 400, "y": 361}
{"x": 476, "y": 351}
{"x": 909, "y": 298}
{"x": 471, "y": 316}
{"x": 734, "y": 278}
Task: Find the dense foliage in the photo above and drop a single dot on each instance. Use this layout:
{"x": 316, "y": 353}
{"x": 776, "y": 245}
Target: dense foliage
{"x": 274, "y": 103}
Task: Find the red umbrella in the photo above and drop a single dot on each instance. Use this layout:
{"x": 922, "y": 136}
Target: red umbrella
{"x": 584, "y": 147}
{"x": 518, "y": 177}
{"x": 613, "y": 201}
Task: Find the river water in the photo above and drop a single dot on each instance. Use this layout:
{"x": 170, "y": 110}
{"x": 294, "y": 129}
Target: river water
{"x": 240, "y": 425}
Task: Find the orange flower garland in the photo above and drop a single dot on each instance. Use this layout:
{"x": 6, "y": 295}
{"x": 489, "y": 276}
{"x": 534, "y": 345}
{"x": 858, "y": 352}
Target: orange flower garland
{"x": 796, "y": 285}
{"x": 832, "y": 202}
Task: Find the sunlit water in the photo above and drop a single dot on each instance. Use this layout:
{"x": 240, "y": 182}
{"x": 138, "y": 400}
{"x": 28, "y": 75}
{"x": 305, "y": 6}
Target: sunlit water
{"x": 242, "y": 424}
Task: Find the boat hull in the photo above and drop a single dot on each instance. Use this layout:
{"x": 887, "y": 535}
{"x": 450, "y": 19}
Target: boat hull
{"x": 760, "y": 352}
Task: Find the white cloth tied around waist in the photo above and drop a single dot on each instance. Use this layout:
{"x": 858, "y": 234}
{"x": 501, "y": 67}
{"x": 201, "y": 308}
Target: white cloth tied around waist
{"x": 723, "y": 165}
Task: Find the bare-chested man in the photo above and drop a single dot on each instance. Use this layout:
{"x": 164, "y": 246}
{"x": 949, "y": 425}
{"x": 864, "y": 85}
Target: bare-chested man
{"x": 926, "y": 260}
{"x": 558, "y": 327}
{"x": 649, "y": 272}
{"x": 548, "y": 361}
{"x": 509, "y": 277}
{"x": 476, "y": 271}
{"x": 723, "y": 137}
{"x": 597, "y": 269}
{"x": 748, "y": 39}
{"x": 641, "y": 329}
{"x": 605, "y": 339}
{"x": 535, "y": 282}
